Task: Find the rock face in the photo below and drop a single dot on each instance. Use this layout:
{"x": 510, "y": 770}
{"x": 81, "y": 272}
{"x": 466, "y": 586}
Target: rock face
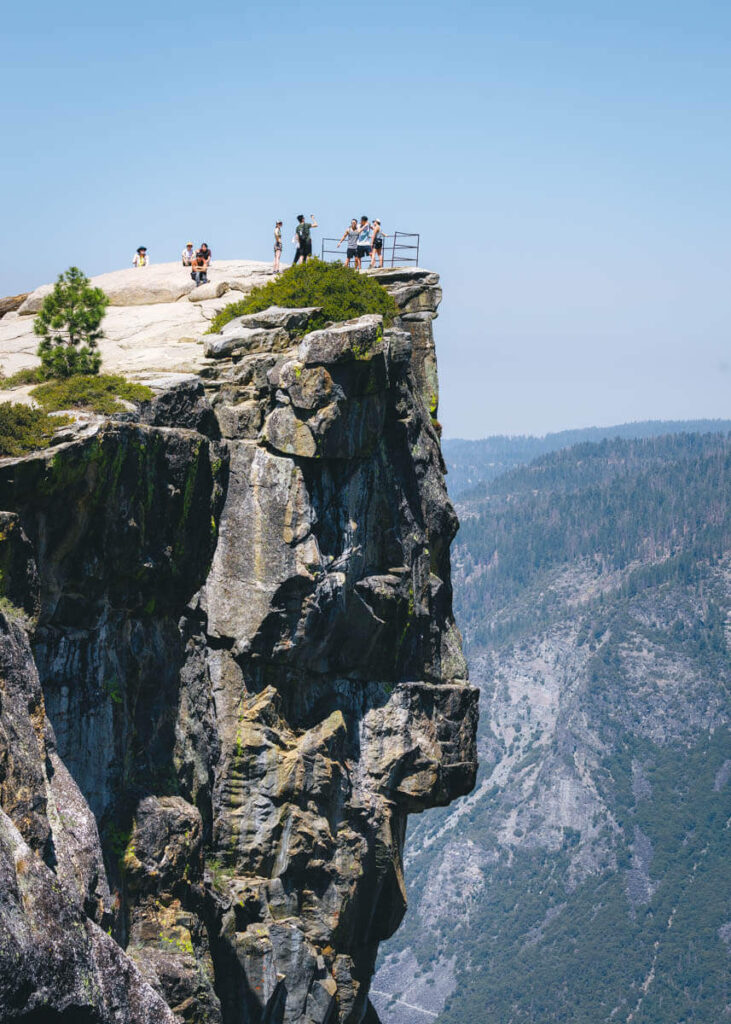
{"x": 243, "y": 674}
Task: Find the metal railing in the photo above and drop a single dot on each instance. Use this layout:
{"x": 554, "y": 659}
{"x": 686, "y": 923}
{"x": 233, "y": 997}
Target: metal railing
{"x": 399, "y": 249}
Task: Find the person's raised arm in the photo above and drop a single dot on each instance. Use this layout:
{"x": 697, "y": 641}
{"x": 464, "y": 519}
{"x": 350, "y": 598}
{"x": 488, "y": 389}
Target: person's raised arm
{"x": 314, "y": 222}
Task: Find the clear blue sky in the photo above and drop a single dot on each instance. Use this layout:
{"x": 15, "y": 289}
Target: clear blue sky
{"x": 567, "y": 164}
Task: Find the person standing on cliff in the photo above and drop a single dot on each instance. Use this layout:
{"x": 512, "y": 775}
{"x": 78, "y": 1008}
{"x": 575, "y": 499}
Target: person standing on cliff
{"x": 352, "y": 236}
{"x": 364, "y": 242}
{"x": 277, "y": 245}
{"x": 377, "y": 245}
{"x": 304, "y": 237}
{"x": 141, "y": 259}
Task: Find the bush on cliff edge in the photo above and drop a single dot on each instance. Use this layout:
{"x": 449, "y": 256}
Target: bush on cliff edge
{"x": 341, "y": 292}
{"x": 23, "y": 429}
{"x": 98, "y": 393}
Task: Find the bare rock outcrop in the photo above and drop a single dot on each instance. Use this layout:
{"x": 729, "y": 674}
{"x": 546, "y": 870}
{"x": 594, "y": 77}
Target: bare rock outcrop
{"x": 245, "y": 674}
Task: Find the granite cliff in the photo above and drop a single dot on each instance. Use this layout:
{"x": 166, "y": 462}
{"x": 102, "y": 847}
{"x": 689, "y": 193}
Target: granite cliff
{"x": 228, "y": 667}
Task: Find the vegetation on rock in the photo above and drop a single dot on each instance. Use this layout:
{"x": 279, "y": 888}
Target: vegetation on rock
{"x": 342, "y": 294}
{"x": 98, "y": 393}
{"x": 28, "y": 375}
{"x": 23, "y": 429}
{"x": 69, "y": 325}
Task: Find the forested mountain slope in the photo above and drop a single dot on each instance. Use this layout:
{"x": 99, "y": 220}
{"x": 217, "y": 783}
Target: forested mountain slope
{"x": 587, "y": 877}
{"x": 472, "y": 463}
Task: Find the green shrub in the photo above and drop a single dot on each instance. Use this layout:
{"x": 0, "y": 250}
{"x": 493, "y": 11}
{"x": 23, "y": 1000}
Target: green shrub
{"x": 30, "y": 375}
{"x": 85, "y": 391}
{"x": 23, "y": 429}
{"x": 68, "y": 323}
{"x": 341, "y": 292}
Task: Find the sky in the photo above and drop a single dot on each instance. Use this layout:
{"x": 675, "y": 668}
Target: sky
{"x": 566, "y": 164}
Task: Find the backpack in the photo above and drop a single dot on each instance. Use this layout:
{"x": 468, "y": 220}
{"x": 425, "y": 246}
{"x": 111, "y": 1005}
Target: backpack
{"x": 303, "y": 232}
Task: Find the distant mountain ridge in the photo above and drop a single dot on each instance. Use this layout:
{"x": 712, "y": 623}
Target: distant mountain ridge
{"x": 472, "y": 463}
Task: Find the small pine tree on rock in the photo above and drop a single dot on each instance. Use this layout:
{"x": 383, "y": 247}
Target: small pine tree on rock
{"x": 68, "y": 323}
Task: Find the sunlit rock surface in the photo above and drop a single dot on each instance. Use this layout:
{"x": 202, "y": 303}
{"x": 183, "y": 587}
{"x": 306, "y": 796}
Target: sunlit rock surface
{"x": 244, "y": 675}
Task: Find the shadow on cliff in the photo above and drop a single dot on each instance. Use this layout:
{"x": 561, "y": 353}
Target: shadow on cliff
{"x": 123, "y": 526}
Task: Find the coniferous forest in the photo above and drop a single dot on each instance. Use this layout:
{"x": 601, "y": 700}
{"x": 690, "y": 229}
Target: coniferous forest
{"x": 587, "y": 877}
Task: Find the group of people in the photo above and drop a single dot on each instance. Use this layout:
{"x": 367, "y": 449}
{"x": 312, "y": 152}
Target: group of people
{"x": 302, "y": 239}
{"x": 199, "y": 260}
{"x": 364, "y": 239}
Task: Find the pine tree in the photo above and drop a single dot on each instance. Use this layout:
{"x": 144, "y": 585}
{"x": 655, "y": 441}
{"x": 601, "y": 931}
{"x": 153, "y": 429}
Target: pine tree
{"x": 68, "y": 323}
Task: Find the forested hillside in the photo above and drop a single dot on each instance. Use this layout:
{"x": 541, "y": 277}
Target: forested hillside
{"x": 471, "y": 463}
{"x": 587, "y": 877}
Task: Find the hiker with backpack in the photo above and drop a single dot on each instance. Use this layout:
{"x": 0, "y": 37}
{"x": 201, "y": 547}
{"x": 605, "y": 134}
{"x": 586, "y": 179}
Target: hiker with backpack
{"x": 303, "y": 237}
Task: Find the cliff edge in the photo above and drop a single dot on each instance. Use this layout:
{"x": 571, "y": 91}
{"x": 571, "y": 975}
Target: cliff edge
{"x": 228, "y": 671}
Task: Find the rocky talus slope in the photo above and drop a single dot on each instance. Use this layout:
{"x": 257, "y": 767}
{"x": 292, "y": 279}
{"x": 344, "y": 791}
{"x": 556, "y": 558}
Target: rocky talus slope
{"x": 228, "y": 671}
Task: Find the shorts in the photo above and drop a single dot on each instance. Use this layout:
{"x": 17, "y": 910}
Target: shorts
{"x": 363, "y": 250}
{"x": 278, "y": 248}
{"x": 352, "y": 253}
{"x": 378, "y": 244}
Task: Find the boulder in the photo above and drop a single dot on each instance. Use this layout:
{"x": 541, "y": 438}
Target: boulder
{"x": 11, "y": 303}
{"x": 346, "y": 342}
{"x": 277, "y": 316}
{"x": 245, "y": 339}
{"x": 212, "y": 290}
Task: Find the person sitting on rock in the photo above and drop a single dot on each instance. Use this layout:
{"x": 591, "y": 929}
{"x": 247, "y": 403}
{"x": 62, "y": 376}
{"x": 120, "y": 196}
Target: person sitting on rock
{"x": 205, "y": 252}
{"x": 199, "y": 269}
{"x": 188, "y": 254}
{"x": 141, "y": 259}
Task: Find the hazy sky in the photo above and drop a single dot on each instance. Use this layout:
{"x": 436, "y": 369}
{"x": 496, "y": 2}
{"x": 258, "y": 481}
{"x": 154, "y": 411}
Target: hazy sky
{"x": 566, "y": 163}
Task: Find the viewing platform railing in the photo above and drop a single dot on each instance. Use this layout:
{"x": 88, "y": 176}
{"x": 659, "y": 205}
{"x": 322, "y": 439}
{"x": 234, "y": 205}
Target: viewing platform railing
{"x": 399, "y": 249}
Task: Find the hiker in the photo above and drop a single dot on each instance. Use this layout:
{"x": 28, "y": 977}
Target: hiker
{"x": 205, "y": 252}
{"x": 188, "y": 254}
{"x": 364, "y": 242}
{"x": 141, "y": 259}
{"x": 199, "y": 268}
{"x": 303, "y": 236}
{"x": 352, "y": 235}
{"x": 377, "y": 244}
{"x": 277, "y": 245}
